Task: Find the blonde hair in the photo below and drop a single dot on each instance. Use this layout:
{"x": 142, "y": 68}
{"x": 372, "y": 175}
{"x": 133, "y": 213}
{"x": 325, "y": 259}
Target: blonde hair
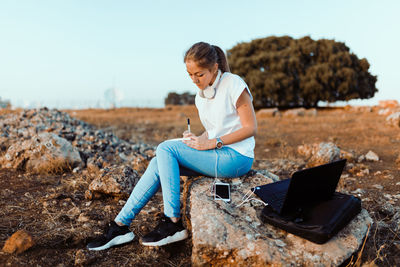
{"x": 206, "y": 55}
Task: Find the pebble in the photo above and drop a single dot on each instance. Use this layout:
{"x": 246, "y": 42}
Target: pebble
{"x": 371, "y": 156}
{"x": 19, "y": 242}
{"x": 378, "y": 186}
{"x": 280, "y": 243}
{"x": 358, "y": 191}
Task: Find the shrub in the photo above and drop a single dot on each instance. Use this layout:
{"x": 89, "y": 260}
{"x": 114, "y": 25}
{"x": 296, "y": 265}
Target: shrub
{"x": 179, "y": 99}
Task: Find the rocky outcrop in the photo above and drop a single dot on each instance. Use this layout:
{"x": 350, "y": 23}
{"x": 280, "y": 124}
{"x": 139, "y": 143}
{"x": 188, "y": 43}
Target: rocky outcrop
{"x": 318, "y": 154}
{"x": 388, "y": 104}
{"x": 226, "y": 234}
{"x": 394, "y": 119}
{"x": 45, "y": 152}
{"x": 115, "y": 180}
{"x": 57, "y": 137}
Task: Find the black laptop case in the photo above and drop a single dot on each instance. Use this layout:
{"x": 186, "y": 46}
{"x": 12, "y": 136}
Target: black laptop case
{"x": 317, "y": 222}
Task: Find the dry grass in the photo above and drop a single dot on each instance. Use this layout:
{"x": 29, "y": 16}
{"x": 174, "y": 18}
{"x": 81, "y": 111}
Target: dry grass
{"x": 47, "y": 211}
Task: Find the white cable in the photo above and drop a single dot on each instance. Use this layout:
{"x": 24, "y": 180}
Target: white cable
{"x": 216, "y": 164}
{"x": 246, "y": 198}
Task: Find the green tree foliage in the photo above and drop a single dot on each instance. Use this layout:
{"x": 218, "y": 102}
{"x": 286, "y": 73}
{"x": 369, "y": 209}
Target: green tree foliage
{"x": 179, "y": 99}
{"x": 287, "y": 72}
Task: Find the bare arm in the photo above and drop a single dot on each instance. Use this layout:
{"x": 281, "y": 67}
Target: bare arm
{"x": 248, "y": 120}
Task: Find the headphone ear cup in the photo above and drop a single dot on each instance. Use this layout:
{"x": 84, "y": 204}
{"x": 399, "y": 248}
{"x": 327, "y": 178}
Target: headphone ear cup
{"x": 209, "y": 92}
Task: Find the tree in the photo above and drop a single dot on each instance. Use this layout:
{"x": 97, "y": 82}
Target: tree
{"x": 286, "y": 72}
{"x": 179, "y": 99}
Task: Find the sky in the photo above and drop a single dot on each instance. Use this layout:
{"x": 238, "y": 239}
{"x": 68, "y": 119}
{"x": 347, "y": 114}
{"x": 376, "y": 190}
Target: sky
{"x": 69, "y": 54}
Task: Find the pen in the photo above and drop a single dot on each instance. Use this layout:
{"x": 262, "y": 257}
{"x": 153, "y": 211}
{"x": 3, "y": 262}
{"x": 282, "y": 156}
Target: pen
{"x": 188, "y": 122}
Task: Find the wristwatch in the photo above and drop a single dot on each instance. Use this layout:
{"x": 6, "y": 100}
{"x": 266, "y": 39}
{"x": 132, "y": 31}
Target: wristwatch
{"x": 219, "y": 143}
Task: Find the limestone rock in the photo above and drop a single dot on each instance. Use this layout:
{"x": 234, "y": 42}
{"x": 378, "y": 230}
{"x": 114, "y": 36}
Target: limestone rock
{"x": 19, "y": 242}
{"x": 319, "y": 153}
{"x": 385, "y": 112}
{"x": 296, "y": 112}
{"x": 388, "y": 103}
{"x": 97, "y": 149}
{"x": 45, "y": 152}
{"x": 371, "y": 156}
{"x": 394, "y": 119}
{"x": 232, "y": 235}
{"x": 115, "y": 180}
{"x": 268, "y": 112}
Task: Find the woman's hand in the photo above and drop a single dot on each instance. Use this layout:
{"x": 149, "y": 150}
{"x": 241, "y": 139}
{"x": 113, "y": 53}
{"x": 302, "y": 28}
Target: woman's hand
{"x": 198, "y": 142}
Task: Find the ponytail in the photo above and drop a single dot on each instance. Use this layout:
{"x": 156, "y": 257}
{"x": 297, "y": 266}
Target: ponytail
{"x": 222, "y": 60}
{"x": 206, "y": 55}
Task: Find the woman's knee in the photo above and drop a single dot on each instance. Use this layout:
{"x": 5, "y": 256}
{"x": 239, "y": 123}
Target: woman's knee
{"x": 165, "y": 146}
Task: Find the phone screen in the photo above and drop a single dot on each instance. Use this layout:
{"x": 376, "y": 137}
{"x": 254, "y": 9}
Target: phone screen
{"x": 222, "y": 191}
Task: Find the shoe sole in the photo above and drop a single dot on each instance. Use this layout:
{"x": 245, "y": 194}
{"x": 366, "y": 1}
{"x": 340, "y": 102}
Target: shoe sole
{"x": 118, "y": 240}
{"x": 178, "y": 236}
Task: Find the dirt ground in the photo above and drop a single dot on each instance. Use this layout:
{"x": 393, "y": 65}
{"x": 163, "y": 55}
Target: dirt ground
{"x": 47, "y": 206}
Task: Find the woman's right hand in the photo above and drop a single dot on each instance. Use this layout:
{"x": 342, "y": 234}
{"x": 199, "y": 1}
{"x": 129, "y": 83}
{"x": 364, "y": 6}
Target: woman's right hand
{"x": 187, "y": 134}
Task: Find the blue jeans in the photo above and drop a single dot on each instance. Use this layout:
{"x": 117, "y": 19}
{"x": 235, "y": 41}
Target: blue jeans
{"x": 174, "y": 158}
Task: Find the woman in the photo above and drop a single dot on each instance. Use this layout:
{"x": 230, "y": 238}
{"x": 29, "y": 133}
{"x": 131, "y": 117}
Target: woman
{"x": 225, "y": 149}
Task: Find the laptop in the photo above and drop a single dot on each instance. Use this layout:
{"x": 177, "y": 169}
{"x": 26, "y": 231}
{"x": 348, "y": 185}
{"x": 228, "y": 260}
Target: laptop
{"x": 306, "y": 186}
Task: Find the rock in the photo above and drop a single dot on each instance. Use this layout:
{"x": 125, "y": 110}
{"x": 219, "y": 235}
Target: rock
{"x": 394, "y": 119}
{"x": 349, "y": 155}
{"x": 398, "y": 160}
{"x": 371, "y": 156}
{"x": 385, "y": 112}
{"x": 387, "y": 209}
{"x": 19, "y": 133}
{"x": 44, "y": 153}
{"x": 305, "y": 150}
{"x": 378, "y": 186}
{"x": 388, "y": 103}
{"x": 358, "y": 191}
{"x": 115, "y": 180}
{"x": 312, "y": 112}
{"x": 84, "y": 258}
{"x": 19, "y": 242}
{"x": 396, "y": 221}
{"x": 296, "y": 112}
{"x": 319, "y": 153}
{"x": 268, "y": 112}
{"x": 231, "y": 235}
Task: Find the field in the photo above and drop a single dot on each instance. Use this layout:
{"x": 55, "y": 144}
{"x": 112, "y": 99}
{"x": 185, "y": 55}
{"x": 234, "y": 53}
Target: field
{"x": 42, "y": 204}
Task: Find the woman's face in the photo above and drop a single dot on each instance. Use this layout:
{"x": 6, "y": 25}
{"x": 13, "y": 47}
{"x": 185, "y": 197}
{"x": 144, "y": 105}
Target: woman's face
{"x": 202, "y": 77}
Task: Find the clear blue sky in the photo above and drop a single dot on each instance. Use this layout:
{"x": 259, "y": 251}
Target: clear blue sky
{"x": 68, "y": 53}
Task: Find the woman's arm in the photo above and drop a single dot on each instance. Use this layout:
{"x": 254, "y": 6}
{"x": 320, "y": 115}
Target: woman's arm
{"x": 248, "y": 120}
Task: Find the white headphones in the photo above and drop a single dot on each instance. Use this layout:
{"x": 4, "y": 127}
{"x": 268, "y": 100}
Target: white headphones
{"x": 210, "y": 91}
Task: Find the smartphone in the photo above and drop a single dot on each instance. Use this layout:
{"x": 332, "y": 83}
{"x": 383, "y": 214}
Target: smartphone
{"x": 222, "y": 191}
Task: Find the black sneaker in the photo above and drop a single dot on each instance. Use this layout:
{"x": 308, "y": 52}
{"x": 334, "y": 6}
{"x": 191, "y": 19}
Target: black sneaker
{"x": 114, "y": 235}
{"x": 166, "y": 232}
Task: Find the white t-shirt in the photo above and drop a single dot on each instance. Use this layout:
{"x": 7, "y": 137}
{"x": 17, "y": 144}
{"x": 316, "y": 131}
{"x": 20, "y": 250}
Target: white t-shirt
{"x": 219, "y": 115}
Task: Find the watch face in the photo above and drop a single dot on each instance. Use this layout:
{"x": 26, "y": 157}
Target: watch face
{"x": 219, "y": 144}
